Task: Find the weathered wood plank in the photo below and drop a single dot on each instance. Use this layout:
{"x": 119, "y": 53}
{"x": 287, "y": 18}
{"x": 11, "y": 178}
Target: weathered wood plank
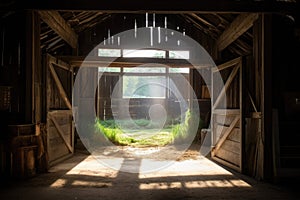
{"x": 52, "y": 130}
{"x": 56, "y": 146}
{"x": 226, "y": 86}
{"x": 226, "y": 65}
{"x": 62, "y": 121}
{"x": 60, "y": 87}
{"x": 232, "y": 146}
{"x": 199, "y": 26}
{"x": 58, "y": 62}
{"x": 235, "y": 135}
{"x": 57, "y": 151}
{"x": 252, "y": 133}
{"x": 61, "y": 113}
{"x": 238, "y": 27}
{"x": 61, "y": 133}
{"x": 229, "y": 156}
{"x": 201, "y": 19}
{"x": 60, "y": 26}
{"x": 226, "y": 134}
{"x": 95, "y": 61}
{"x": 226, "y": 111}
{"x": 225, "y": 120}
{"x": 226, "y": 163}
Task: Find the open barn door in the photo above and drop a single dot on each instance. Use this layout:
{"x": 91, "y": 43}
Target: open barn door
{"x": 60, "y": 126}
{"x": 227, "y": 114}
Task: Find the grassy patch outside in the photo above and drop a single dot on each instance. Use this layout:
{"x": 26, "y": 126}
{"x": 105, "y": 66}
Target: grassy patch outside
{"x": 142, "y": 132}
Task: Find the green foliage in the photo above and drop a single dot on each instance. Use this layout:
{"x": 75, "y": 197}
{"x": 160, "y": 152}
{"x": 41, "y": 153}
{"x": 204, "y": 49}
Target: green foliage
{"x": 171, "y": 134}
{"x": 130, "y": 124}
{"x": 109, "y": 129}
{"x": 160, "y": 139}
{"x": 112, "y": 132}
{"x": 192, "y": 123}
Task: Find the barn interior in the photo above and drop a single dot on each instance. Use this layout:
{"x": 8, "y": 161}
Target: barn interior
{"x": 234, "y": 63}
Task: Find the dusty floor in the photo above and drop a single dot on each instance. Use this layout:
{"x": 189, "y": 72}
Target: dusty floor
{"x": 191, "y": 177}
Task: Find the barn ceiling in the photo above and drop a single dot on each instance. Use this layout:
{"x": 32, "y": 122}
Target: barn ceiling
{"x": 210, "y": 24}
{"x": 86, "y": 15}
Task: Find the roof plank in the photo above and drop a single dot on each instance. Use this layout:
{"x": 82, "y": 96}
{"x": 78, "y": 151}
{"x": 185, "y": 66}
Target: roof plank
{"x": 56, "y": 22}
{"x": 238, "y": 27}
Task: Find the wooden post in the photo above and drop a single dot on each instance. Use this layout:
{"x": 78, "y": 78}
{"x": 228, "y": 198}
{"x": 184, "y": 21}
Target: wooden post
{"x": 37, "y": 71}
{"x": 267, "y": 95}
{"x": 33, "y": 69}
{"x": 29, "y": 68}
{"x": 262, "y": 50}
{"x": 190, "y": 92}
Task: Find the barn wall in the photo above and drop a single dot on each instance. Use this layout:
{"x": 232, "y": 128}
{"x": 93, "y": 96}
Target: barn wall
{"x": 286, "y": 94}
{"x": 13, "y": 65}
{"x": 21, "y": 72}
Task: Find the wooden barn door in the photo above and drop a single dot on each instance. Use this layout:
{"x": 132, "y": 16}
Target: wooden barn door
{"x": 227, "y": 114}
{"x": 60, "y": 126}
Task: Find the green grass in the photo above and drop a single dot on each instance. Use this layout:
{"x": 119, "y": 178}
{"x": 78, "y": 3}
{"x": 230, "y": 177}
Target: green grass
{"x": 152, "y": 137}
{"x": 113, "y": 133}
{"x": 147, "y": 133}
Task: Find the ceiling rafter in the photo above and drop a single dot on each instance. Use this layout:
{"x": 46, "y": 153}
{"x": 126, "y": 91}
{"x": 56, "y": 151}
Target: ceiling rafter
{"x": 60, "y": 26}
{"x": 208, "y": 24}
{"x": 92, "y": 23}
{"x": 198, "y": 25}
{"x": 237, "y": 28}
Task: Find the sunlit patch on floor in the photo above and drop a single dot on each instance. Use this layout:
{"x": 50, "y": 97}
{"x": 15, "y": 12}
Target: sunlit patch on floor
{"x": 59, "y": 183}
{"x": 194, "y": 184}
{"x": 216, "y": 184}
{"x": 160, "y": 186}
{"x": 81, "y": 183}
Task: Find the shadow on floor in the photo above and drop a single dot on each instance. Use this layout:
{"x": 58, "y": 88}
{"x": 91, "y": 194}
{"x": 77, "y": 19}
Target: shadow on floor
{"x": 83, "y": 177}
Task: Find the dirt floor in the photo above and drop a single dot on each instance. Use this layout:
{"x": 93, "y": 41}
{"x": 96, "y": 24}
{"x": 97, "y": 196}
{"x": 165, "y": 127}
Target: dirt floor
{"x": 191, "y": 177}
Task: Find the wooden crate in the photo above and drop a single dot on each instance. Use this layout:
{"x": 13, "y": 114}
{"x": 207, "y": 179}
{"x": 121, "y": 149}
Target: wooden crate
{"x": 24, "y": 162}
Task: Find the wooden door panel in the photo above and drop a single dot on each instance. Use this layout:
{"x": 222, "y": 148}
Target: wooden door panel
{"x": 60, "y": 125}
{"x": 60, "y": 135}
{"x": 226, "y": 118}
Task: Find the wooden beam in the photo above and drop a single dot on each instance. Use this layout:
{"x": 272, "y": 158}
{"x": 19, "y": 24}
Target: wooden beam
{"x": 226, "y": 112}
{"x": 237, "y": 28}
{"x": 95, "y": 61}
{"x": 56, "y": 22}
{"x": 226, "y": 86}
{"x": 59, "y": 63}
{"x": 226, "y": 163}
{"x": 267, "y": 95}
{"x": 226, "y": 65}
{"x": 198, "y": 26}
{"x": 60, "y": 87}
{"x": 60, "y": 132}
{"x": 166, "y": 6}
{"x": 201, "y": 19}
{"x": 226, "y": 134}
{"x": 29, "y": 68}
